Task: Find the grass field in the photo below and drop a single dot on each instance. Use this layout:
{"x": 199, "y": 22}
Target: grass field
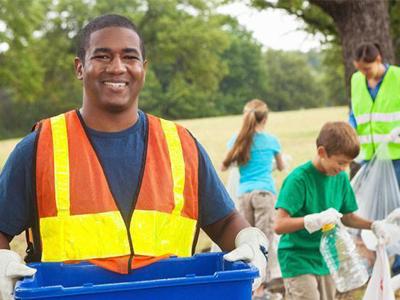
{"x": 296, "y": 131}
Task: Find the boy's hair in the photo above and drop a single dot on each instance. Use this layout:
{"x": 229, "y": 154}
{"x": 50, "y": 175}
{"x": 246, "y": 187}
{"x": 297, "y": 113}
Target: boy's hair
{"x": 101, "y": 22}
{"x": 339, "y": 138}
{"x": 367, "y": 52}
{"x": 254, "y": 113}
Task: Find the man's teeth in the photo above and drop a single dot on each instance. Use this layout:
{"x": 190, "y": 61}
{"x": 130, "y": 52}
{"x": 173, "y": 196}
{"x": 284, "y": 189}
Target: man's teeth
{"x": 115, "y": 84}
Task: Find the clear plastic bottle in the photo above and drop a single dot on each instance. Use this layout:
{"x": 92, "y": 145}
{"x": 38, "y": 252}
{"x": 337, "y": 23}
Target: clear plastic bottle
{"x": 340, "y": 254}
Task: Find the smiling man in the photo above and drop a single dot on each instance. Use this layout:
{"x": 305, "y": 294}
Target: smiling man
{"x": 111, "y": 184}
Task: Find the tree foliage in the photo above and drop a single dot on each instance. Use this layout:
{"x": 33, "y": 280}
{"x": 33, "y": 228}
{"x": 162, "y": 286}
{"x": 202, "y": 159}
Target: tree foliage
{"x": 201, "y": 63}
{"x": 346, "y": 24}
{"x": 291, "y": 83}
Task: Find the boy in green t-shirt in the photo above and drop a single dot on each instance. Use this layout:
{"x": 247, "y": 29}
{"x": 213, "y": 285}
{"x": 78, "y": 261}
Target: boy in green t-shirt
{"x": 314, "y": 194}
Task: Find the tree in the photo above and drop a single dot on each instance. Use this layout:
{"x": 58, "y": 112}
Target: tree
{"x": 246, "y": 76}
{"x": 359, "y": 21}
{"x": 332, "y": 74}
{"x": 394, "y": 13}
{"x": 347, "y": 22}
{"x": 291, "y": 82}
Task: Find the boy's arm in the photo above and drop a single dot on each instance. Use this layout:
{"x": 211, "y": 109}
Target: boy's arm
{"x": 377, "y": 227}
{"x": 284, "y": 223}
{"x": 355, "y": 221}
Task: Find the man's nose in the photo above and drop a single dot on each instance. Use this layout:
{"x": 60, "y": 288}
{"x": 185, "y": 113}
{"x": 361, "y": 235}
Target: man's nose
{"x": 116, "y": 65}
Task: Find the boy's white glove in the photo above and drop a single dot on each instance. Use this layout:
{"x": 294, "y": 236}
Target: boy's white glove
{"x": 381, "y": 232}
{"x": 11, "y": 269}
{"x": 314, "y": 222}
{"x": 251, "y": 246}
{"x": 394, "y": 217}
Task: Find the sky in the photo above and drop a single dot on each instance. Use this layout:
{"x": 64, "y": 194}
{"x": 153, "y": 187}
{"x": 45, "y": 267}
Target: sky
{"x": 273, "y": 28}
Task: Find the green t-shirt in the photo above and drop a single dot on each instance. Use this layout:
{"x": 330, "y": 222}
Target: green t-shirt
{"x": 306, "y": 191}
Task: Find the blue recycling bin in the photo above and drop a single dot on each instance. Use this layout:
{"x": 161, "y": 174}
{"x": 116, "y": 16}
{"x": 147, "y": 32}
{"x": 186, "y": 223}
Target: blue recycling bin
{"x": 203, "y": 276}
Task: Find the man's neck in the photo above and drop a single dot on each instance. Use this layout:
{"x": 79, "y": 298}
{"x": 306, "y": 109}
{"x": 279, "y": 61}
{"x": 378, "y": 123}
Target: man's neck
{"x": 104, "y": 121}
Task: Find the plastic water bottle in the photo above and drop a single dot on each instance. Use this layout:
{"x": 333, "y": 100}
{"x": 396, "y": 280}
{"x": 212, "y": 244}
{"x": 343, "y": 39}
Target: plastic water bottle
{"x": 345, "y": 264}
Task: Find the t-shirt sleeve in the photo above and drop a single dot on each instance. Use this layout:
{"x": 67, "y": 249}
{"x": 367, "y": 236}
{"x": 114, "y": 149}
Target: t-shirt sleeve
{"x": 349, "y": 204}
{"x": 275, "y": 145}
{"x": 16, "y": 194}
{"x": 352, "y": 120}
{"x": 292, "y": 195}
{"x": 215, "y": 202}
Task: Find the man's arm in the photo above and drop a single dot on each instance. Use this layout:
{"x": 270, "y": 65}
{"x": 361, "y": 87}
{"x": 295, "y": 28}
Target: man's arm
{"x": 284, "y": 223}
{"x": 355, "y": 221}
{"x": 224, "y": 231}
{"x": 5, "y": 241}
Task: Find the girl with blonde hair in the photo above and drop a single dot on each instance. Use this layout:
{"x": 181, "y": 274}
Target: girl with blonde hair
{"x": 253, "y": 151}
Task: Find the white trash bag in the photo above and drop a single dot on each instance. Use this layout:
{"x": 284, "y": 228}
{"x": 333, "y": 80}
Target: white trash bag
{"x": 380, "y": 285}
{"x": 377, "y": 191}
{"x": 232, "y": 184}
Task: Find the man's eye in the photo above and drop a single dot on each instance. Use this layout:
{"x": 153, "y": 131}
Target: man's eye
{"x": 131, "y": 57}
{"x": 101, "y": 57}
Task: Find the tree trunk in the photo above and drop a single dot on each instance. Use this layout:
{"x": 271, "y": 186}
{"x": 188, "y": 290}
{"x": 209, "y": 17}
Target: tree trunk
{"x": 359, "y": 21}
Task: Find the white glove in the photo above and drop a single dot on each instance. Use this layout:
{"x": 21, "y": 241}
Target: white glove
{"x": 287, "y": 161}
{"x": 11, "y": 269}
{"x": 273, "y": 164}
{"x": 380, "y": 231}
{"x": 314, "y": 222}
{"x": 251, "y": 246}
{"x": 394, "y": 216}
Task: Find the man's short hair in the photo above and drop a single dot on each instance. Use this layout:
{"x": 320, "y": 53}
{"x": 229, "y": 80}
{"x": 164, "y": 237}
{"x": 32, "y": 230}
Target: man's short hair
{"x": 101, "y": 22}
{"x": 339, "y": 138}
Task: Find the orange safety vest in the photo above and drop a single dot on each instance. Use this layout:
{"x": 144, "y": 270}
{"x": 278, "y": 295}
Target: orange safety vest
{"x": 78, "y": 217}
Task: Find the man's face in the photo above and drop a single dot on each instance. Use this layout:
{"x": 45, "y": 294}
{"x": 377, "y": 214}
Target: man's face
{"x": 114, "y": 71}
{"x": 334, "y": 164}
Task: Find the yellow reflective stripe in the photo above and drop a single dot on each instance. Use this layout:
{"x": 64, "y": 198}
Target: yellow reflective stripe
{"x": 61, "y": 164}
{"x": 177, "y": 163}
{"x": 157, "y": 233}
{"x": 79, "y": 237}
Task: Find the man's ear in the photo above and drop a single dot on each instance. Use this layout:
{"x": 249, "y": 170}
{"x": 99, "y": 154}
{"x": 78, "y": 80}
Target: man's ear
{"x": 78, "y": 68}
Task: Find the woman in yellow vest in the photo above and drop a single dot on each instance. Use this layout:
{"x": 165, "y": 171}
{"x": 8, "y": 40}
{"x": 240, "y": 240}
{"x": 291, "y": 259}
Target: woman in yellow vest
{"x": 375, "y": 104}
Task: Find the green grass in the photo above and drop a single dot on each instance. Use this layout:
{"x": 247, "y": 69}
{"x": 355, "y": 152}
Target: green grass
{"x": 5, "y": 148}
{"x": 296, "y": 130}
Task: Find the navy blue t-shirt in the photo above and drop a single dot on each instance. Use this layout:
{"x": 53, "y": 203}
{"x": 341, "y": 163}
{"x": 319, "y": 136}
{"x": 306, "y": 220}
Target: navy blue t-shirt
{"x": 120, "y": 154}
